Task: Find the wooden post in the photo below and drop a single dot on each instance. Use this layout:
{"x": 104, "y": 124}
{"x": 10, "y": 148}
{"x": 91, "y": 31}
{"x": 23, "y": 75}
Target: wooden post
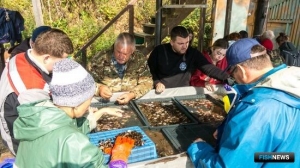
{"x": 37, "y": 11}
{"x": 158, "y": 23}
{"x": 260, "y": 16}
{"x": 131, "y": 19}
{"x": 201, "y": 27}
{"x": 228, "y": 17}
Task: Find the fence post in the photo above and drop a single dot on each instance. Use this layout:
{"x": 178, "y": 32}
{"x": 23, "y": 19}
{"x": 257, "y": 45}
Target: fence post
{"x": 131, "y": 19}
{"x": 158, "y": 22}
{"x": 201, "y": 26}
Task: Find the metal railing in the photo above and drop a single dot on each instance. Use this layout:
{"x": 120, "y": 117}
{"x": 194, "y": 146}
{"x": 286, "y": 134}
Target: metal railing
{"x": 83, "y": 51}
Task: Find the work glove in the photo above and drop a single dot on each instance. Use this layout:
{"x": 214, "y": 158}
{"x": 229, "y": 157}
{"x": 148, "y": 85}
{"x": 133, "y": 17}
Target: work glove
{"x": 120, "y": 152}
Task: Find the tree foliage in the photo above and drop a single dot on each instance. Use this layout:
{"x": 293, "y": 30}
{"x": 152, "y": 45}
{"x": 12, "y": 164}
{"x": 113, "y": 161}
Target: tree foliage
{"x": 82, "y": 19}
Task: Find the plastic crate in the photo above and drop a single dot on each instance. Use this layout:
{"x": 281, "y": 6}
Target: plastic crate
{"x": 133, "y": 119}
{"x": 182, "y": 136}
{"x": 163, "y": 102}
{"x": 140, "y": 153}
{"x": 215, "y": 114}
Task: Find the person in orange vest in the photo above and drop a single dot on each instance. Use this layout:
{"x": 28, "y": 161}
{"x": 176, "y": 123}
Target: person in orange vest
{"x": 29, "y": 70}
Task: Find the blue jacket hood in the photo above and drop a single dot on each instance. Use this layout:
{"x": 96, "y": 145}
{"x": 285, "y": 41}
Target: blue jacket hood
{"x": 285, "y": 79}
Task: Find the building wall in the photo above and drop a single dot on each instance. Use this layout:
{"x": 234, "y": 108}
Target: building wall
{"x": 284, "y": 16}
{"x": 241, "y": 14}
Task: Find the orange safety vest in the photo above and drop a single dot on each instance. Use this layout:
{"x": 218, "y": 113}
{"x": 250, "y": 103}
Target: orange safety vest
{"x": 23, "y": 76}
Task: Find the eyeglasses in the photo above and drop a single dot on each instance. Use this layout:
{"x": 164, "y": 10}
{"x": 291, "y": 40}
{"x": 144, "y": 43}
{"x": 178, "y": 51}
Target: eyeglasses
{"x": 231, "y": 80}
{"x": 232, "y": 70}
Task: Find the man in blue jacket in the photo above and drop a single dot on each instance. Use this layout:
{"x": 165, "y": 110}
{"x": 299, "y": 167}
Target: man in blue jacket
{"x": 264, "y": 116}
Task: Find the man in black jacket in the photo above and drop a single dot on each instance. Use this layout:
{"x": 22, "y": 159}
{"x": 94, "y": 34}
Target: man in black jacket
{"x": 172, "y": 64}
{"x": 289, "y": 53}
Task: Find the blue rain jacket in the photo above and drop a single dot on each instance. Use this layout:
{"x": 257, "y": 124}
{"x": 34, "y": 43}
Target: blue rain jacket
{"x": 265, "y": 118}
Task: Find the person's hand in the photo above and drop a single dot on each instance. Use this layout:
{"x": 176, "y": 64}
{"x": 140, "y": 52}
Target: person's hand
{"x": 113, "y": 111}
{"x": 198, "y": 140}
{"x": 209, "y": 86}
{"x": 125, "y": 98}
{"x": 105, "y": 92}
{"x": 215, "y": 134}
{"x": 159, "y": 87}
{"x": 122, "y": 148}
{"x": 93, "y": 109}
{"x": 110, "y": 111}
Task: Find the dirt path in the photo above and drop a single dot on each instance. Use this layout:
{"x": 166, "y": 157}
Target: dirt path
{"x": 4, "y": 152}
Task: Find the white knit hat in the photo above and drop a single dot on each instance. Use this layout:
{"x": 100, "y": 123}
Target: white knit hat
{"x": 71, "y": 84}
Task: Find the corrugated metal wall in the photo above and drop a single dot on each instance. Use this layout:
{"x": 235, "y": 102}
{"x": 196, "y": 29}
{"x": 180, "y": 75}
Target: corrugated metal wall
{"x": 284, "y": 16}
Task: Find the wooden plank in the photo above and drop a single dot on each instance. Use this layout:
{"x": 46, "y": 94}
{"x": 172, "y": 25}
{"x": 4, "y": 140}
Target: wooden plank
{"x": 186, "y": 6}
{"x": 285, "y": 9}
{"x": 149, "y": 24}
{"x": 281, "y": 21}
{"x": 280, "y": 11}
{"x": 289, "y": 9}
{"x": 296, "y": 39}
{"x": 274, "y": 3}
{"x": 271, "y": 13}
{"x": 276, "y": 12}
{"x": 131, "y": 19}
{"x": 141, "y": 34}
{"x": 293, "y": 30}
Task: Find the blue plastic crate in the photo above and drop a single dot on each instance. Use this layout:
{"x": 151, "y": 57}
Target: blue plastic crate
{"x": 140, "y": 153}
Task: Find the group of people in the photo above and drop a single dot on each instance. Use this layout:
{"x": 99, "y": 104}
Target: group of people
{"x": 48, "y": 114}
{"x": 45, "y": 114}
{"x": 54, "y": 98}
{"x": 263, "y": 115}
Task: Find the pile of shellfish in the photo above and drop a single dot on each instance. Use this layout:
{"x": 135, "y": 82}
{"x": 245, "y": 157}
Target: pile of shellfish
{"x": 205, "y": 110}
{"x": 108, "y": 122}
{"x": 109, "y": 143}
{"x": 163, "y": 113}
